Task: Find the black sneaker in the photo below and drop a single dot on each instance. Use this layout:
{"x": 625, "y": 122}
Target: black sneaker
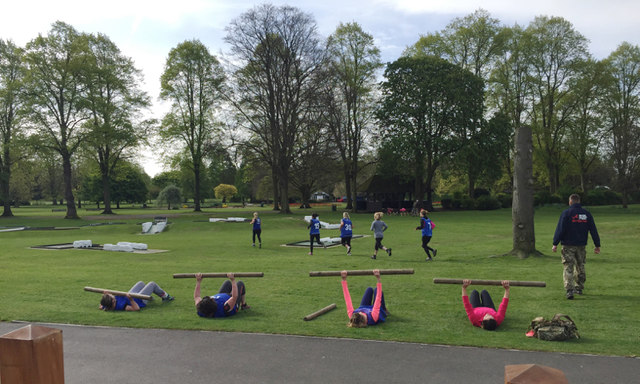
{"x": 389, "y": 251}
{"x": 579, "y": 291}
{"x": 435, "y": 252}
{"x": 168, "y": 298}
{"x": 260, "y": 245}
{"x": 428, "y": 259}
{"x": 570, "y": 295}
{"x": 373, "y": 257}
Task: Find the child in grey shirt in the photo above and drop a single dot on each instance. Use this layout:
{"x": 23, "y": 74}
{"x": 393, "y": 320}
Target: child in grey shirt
{"x": 378, "y": 227}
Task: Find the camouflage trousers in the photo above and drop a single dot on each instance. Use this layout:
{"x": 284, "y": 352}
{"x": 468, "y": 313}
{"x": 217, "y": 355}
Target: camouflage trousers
{"x": 573, "y": 260}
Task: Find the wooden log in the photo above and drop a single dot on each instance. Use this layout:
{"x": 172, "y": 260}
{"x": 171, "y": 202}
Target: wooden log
{"x": 513, "y": 283}
{"x": 218, "y": 274}
{"x": 117, "y": 293}
{"x": 321, "y": 312}
{"x": 362, "y": 272}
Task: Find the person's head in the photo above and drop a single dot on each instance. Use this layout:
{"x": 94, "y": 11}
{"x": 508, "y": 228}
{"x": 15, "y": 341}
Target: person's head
{"x": 424, "y": 213}
{"x": 345, "y": 215}
{"x": 574, "y": 199}
{"x": 108, "y": 302}
{"x": 255, "y": 214}
{"x": 377, "y": 215}
{"x": 207, "y": 307}
{"x": 489, "y": 323}
{"x": 357, "y": 320}
{"x": 314, "y": 215}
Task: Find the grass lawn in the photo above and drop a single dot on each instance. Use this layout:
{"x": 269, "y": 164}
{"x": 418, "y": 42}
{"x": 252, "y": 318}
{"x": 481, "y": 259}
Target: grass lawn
{"x": 47, "y": 285}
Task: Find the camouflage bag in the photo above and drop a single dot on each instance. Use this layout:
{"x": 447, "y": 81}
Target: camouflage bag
{"x": 559, "y": 328}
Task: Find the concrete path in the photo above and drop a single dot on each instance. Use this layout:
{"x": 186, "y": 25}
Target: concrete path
{"x": 99, "y": 355}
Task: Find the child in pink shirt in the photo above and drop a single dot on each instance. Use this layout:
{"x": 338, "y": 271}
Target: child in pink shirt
{"x": 367, "y": 313}
{"x": 480, "y": 308}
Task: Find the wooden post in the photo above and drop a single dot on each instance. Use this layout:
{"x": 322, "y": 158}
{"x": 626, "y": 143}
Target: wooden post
{"x": 32, "y": 355}
{"x": 218, "y": 274}
{"x": 320, "y": 312}
{"x": 513, "y": 283}
{"x": 117, "y": 293}
{"x": 362, "y": 272}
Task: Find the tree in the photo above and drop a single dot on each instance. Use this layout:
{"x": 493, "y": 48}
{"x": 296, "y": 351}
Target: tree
{"x": 427, "y": 106}
{"x": 128, "y": 184}
{"x": 170, "y": 195}
{"x": 355, "y": 61}
{"x": 12, "y": 73}
{"x": 115, "y": 100}
{"x": 225, "y": 191}
{"x": 192, "y": 80}
{"x": 623, "y": 115}
{"x": 57, "y": 65}
{"x": 280, "y": 54}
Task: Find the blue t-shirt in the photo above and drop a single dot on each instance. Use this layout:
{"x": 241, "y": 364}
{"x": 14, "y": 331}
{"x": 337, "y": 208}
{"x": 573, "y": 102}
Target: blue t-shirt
{"x": 220, "y": 299}
{"x": 122, "y": 302}
{"x": 256, "y": 224}
{"x": 426, "y": 227}
{"x": 314, "y": 226}
{"x": 346, "y": 228}
{"x": 366, "y": 309}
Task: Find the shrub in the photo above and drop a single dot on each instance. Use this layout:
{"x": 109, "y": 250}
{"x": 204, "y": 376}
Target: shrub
{"x": 506, "y": 199}
{"x": 447, "y": 203}
{"x": 601, "y": 196}
{"x": 487, "y": 203}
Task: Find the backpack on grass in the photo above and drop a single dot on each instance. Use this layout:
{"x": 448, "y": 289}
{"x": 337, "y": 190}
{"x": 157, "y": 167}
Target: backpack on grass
{"x": 559, "y": 328}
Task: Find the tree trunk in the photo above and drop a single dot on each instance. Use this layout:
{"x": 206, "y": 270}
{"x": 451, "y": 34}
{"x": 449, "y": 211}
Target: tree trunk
{"x": 106, "y": 192}
{"x": 5, "y": 175}
{"x": 276, "y": 189}
{"x": 196, "y": 194}
{"x": 354, "y": 184}
{"x": 283, "y": 179}
{"x": 72, "y": 213}
{"x": 522, "y": 211}
{"x": 347, "y": 184}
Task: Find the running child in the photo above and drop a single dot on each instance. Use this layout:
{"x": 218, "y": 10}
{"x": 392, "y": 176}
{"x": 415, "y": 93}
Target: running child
{"x": 427, "y": 226}
{"x": 378, "y": 227}
{"x": 257, "y": 229}
{"x": 314, "y": 231}
{"x": 346, "y": 232}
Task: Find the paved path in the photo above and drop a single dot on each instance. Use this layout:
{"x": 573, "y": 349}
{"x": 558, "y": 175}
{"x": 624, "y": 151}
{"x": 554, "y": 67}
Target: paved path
{"x": 99, "y": 355}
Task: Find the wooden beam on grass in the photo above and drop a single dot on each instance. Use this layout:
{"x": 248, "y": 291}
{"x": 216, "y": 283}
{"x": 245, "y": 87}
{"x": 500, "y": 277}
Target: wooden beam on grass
{"x": 512, "y": 283}
{"x": 218, "y": 274}
{"x": 117, "y": 293}
{"x": 362, "y": 272}
{"x": 321, "y": 312}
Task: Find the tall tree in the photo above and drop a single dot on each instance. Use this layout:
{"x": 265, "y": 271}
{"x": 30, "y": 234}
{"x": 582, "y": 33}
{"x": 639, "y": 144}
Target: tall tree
{"x": 56, "y": 85}
{"x": 427, "y": 106}
{"x": 12, "y": 72}
{"x": 355, "y": 60}
{"x": 192, "y": 80}
{"x": 555, "y": 51}
{"x": 115, "y": 101}
{"x": 623, "y": 115}
{"x": 280, "y": 53}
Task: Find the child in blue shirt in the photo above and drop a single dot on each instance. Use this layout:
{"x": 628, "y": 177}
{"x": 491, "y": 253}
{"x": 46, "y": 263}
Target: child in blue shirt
{"x": 426, "y": 225}
{"x": 346, "y": 232}
{"x": 314, "y": 232}
{"x": 257, "y": 229}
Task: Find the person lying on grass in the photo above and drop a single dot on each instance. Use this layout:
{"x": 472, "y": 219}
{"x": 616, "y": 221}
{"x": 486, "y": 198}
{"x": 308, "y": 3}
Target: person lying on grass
{"x": 110, "y": 302}
{"x": 370, "y": 311}
{"x": 480, "y": 308}
{"x": 225, "y": 303}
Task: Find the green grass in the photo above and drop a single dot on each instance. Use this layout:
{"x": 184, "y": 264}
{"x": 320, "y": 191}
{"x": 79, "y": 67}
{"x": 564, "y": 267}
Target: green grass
{"x": 46, "y": 285}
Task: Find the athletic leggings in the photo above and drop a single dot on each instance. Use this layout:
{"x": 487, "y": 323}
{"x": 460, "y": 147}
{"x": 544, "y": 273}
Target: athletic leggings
{"x": 257, "y": 232}
{"x": 481, "y": 300}
{"x": 148, "y": 289}
{"x": 311, "y": 238}
{"x": 379, "y": 243}
{"x": 425, "y": 241}
{"x": 226, "y": 287}
{"x": 369, "y": 299}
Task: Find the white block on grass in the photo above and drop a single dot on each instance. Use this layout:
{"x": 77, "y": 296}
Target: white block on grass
{"x": 117, "y": 248}
{"x": 146, "y": 227}
{"x": 82, "y": 244}
{"x": 215, "y": 219}
{"x": 140, "y": 246}
{"x": 235, "y": 219}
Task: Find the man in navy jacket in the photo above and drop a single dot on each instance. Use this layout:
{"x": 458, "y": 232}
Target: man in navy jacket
{"x": 572, "y": 232}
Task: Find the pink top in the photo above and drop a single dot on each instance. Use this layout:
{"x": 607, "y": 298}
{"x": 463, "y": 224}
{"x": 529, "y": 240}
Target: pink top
{"x": 477, "y": 314}
{"x": 375, "y": 312}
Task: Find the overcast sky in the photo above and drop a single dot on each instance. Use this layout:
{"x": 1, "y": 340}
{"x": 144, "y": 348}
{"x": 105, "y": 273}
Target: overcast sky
{"x": 146, "y": 30}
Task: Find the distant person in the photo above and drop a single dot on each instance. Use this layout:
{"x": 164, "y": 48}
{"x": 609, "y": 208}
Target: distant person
{"x": 314, "y": 232}
{"x": 225, "y": 303}
{"x": 372, "y": 309}
{"x": 110, "y": 302}
{"x": 378, "y": 227}
{"x": 346, "y": 232}
{"x": 480, "y": 308}
{"x": 427, "y": 226}
{"x": 257, "y": 229}
{"x": 572, "y": 232}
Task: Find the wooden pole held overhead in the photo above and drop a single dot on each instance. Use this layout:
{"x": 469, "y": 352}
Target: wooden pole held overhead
{"x": 513, "y": 283}
{"x": 218, "y": 274}
{"x": 117, "y": 293}
{"x": 321, "y": 312}
{"x": 362, "y": 272}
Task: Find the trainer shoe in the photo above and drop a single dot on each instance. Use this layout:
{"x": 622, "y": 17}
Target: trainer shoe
{"x": 428, "y": 259}
{"x": 245, "y": 306}
{"x": 260, "y": 245}
{"x": 389, "y": 251}
{"x": 435, "y": 252}
{"x": 310, "y": 253}
{"x": 373, "y": 257}
{"x": 168, "y": 298}
{"x": 579, "y": 291}
{"x": 349, "y": 253}
{"x": 570, "y": 295}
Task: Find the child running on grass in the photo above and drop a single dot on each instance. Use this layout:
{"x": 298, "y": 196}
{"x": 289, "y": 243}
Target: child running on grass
{"x": 314, "y": 232}
{"x": 257, "y": 229}
{"x": 346, "y": 232}
{"x": 426, "y": 225}
{"x": 378, "y": 227}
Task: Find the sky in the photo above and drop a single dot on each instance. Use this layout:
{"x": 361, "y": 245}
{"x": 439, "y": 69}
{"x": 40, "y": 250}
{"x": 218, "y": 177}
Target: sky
{"x": 146, "y": 30}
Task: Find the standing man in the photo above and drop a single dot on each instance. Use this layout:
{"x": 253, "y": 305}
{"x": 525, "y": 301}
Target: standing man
{"x": 572, "y": 231}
